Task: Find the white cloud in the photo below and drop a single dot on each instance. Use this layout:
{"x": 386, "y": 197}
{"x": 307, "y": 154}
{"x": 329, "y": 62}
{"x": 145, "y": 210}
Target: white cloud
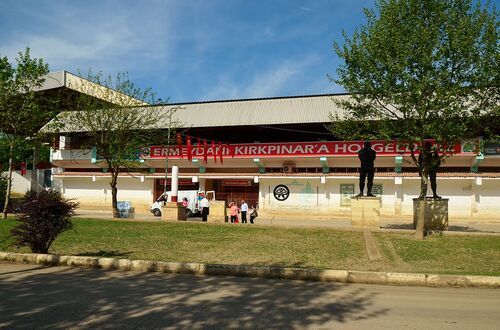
{"x": 92, "y": 36}
{"x": 272, "y": 82}
{"x": 306, "y": 9}
{"x": 265, "y": 83}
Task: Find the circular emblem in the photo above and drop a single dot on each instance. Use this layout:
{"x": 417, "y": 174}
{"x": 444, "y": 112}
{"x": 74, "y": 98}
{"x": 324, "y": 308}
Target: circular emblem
{"x": 145, "y": 152}
{"x": 281, "y": 192}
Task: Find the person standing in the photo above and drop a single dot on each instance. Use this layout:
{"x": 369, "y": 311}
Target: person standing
{"x": 244, "y": 210}
{"x": 233, "y": 212}
{"x": 205, "y": 206}
{"x": 253, "y": 214}
{"x": 367, "y": 156}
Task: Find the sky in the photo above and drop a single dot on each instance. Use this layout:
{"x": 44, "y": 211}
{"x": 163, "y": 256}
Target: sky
{"x": 189, "y": 50}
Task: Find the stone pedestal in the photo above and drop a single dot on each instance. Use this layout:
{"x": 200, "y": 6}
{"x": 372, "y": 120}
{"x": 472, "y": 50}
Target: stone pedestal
{"x": 436, "y": 213}
{"x": 218, "y": 213}
{"x": 173, "y": 211}
{"x": 365, "y": 212}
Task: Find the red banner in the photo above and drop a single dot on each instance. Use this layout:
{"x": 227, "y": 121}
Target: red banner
{"x": 268, "y": 150}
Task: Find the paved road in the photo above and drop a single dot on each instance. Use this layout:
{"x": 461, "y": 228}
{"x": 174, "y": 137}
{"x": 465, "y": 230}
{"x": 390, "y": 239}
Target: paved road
{"x": 33, "y": 296}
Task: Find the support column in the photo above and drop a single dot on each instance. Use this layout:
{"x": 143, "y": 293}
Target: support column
{"x": 175, "y": 183}
{"x": 173, "y": 210}
{"x": 398, "y": 195}
{"x": 257, "y": 162}
{"x": 324, "y": 165}
{"x": 476, "y": 196}
{"x": 201, "y": 184}
{"x": 201, "y": 168}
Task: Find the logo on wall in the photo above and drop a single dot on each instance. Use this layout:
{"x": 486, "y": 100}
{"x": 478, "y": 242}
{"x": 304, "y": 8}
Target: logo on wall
{"x": 281, "y": 192}
{"x": 145, "y": 152}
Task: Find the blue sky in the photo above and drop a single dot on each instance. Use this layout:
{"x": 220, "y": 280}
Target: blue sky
{"x": 189, "y": 50}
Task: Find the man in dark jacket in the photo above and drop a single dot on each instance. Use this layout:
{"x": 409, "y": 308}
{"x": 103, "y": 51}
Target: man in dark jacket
{"x": 367, "y": 156}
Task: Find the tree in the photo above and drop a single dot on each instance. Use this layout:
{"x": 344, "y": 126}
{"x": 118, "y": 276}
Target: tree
{"x": 22, "y": 113}
{"x": 117, "y": 121}
{"x": 3, "y": 187}
{"x": 43, "y": 216}
{"x": 420, "y": 70}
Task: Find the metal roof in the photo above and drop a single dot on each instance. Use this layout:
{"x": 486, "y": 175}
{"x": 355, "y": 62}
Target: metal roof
{"x": 271, "y": 111}
{"x": 65, "y": 79}
{"x": 266, "y": 111}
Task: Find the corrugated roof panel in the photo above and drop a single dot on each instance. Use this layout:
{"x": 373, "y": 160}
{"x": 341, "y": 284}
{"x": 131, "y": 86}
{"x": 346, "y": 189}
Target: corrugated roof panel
{"x": 294, "y": 110}
{"x": 272, "y": 111}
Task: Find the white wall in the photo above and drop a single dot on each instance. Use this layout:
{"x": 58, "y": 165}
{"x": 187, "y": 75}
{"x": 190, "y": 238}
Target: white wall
{"x": 489, "y": 198}
{"x": 310, "y": 197}
{"x": 20, "y": 184}
{"x": 97, "y": 194}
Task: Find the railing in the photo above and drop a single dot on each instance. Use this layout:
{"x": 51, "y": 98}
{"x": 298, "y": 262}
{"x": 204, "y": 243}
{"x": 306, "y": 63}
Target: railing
{"x": 71, "y": 154}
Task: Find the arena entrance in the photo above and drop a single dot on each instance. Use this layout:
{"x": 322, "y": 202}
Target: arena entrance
{"x": 236, "y": 190}
{"x": 184, "y": 184}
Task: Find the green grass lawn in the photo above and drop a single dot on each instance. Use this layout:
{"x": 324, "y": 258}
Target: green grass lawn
{"x": 206, "y": 243}
{"x": 259, "y": 245}
{"x": 447, "y": 254}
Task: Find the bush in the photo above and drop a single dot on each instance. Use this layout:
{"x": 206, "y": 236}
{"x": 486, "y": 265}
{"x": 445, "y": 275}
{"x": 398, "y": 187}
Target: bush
{"x": 44, "y": 215}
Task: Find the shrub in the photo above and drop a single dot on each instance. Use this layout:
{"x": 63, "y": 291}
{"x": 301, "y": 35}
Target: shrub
{"x": 44, "y": 215}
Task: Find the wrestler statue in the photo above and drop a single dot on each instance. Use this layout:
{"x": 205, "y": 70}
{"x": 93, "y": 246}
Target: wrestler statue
{"x": 367, "y": 156}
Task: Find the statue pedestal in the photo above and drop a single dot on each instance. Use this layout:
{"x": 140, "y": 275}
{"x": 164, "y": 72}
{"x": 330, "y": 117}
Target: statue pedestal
{"x": 217, "y": 212}
{"x": 173, "y": 211}
{"x": 436, "y": 213}
{"x": 365, "y": 212}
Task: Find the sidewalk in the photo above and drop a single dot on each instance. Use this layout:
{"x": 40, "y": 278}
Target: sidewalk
{"x": 341, "y": 223}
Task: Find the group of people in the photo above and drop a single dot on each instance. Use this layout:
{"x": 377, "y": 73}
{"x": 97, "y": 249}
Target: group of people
{"x": 234, "y": 211}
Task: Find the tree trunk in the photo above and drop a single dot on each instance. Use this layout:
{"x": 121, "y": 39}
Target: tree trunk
{"x": 35, "y": 185}
{"x": 9, "y": 181}
{"x": 420, "y": 225}
{"x": 114, "y": 191}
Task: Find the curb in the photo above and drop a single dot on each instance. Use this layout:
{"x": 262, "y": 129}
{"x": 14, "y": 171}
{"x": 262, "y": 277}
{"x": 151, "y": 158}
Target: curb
{"x": 327, "y": 275}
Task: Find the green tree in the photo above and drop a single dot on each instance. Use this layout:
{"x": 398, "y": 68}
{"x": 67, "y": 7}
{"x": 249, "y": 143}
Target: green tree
{"x": 420, "y": 70}
{"x": 116, "y": 120}
{"x": 22, "y": 113}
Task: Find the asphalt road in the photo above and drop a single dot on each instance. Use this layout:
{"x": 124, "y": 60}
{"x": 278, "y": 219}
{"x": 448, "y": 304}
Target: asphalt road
{"x": 33, "y": 296}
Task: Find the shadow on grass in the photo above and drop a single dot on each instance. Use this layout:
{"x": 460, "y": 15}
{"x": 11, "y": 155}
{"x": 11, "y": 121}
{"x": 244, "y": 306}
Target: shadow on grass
{"x": 105, "y": 254}
{"x": 467, "y": 229}
{"x": 69, "y": 298}
{"x": 409, "y": 226}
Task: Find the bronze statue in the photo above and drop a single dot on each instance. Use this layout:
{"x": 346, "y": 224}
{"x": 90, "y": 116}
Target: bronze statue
{"x": 367, "y": 156}
{"x": 431, "y": 160}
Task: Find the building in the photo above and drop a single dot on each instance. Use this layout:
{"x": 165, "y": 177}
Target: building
{"x": 279, "y": 153}
{"x": 64, "y": 87}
